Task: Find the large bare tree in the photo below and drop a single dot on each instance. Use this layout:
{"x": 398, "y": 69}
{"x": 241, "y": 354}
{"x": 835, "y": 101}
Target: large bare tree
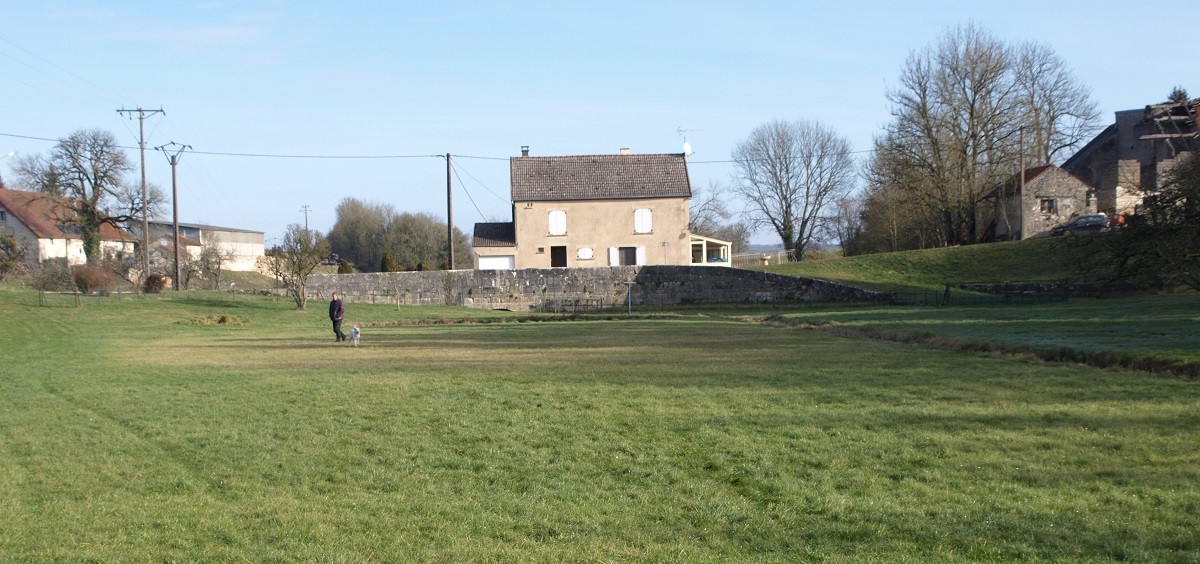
{"x": 790, "y": 173}
{"x": 1059, "y": 112}
{"x": 84, "y": 177}
{"x": 969, "y": 110}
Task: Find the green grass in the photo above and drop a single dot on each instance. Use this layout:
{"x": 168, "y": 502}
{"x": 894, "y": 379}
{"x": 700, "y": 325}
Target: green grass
{"x": 129, "y": 432}
{"x": 932, "y": 269}
{"x": 1165, "y": 327}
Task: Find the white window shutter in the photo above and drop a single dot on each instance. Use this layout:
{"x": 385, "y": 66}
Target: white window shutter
{"x": 614, "y": 257}
{"x": 641, "y": 256}
{"x": 643, "y": 221}
{"x": 558, "y": 222}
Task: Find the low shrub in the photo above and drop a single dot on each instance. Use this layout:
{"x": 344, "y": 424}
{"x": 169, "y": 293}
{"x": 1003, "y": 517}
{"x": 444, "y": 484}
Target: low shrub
{"x": 53, "y": 275}
{"x": 155, "y": 283}
{"x": 89, "y": 279}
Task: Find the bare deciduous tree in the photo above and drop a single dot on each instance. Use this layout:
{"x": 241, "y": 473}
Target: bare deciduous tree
{"x": 790, "y": 173}
{"x": 846, "y": 222}
{"x": 709, "y": 216}
{"x": 294, "y": 260}
{"x": 1059, "y": 112}
{"x": 83, "y": 176}
{"x": 955, "y": 123}
{"x": 963, "y": 109}
{"x": 205, "y": 269}
{"x": 707, "y": 211}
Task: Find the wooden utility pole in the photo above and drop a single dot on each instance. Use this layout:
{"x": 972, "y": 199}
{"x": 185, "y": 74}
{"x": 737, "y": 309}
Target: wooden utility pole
{"x": 174, "y": 160}
{"x": 449, "y": 214}
{"x": 145, "y": 196}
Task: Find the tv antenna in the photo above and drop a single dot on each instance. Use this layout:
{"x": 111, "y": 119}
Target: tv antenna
{"x": 687, "y": 147}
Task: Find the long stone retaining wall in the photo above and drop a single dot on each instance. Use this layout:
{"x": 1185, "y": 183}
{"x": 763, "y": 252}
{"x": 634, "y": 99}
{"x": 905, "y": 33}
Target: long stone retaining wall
{"x": 571, "y": 289}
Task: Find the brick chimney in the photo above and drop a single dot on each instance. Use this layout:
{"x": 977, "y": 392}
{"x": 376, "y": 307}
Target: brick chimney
{"x": 524, "y": 150}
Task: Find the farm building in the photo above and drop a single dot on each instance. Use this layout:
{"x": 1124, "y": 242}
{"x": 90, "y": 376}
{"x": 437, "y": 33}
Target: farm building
{"x": 38, "y": 219}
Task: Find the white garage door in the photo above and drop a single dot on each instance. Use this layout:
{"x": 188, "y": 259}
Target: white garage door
{"x": 506, "y": 262}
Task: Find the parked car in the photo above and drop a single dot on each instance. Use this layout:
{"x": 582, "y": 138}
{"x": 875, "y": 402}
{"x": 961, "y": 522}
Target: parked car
{"x": 1091, "y": 223}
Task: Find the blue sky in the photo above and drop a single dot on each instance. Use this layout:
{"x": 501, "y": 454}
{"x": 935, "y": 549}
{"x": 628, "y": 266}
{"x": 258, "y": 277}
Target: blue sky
{"x": 480, "y": 79}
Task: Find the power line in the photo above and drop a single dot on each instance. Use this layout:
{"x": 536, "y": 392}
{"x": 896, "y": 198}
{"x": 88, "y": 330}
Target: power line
{"x": 482, "y": 158}
{"x": 65, "y": 71}
{"x": 211, "y": 187}
{"x": 372, "y": 157}
{"x": 277, "y": 156}
{"x": 36, "y": 138}
{"x": 484, "y": 186}
{"x": 468, "y": 193}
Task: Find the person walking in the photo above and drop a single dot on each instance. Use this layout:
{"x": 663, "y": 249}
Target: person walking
{"x": 337, "y": 311}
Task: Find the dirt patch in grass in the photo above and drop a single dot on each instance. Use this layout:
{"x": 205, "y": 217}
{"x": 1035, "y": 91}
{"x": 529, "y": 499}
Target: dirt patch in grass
{"x": 220, "y": 320}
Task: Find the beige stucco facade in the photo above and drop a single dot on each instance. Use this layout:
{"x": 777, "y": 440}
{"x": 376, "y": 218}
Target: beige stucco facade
{"x": 72, "y": 249}
{"x": 43, "y": 249}
{"x": 597, "y": 230}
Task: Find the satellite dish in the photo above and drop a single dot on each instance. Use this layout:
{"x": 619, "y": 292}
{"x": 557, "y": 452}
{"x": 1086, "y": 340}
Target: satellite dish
{"x": 687, "y": 149}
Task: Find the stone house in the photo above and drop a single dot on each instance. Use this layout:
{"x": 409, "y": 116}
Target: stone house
{"x": 1048, "y": 197}
{"x": 34, "y": 218}
{"x": 596, "y": 211}
{"x": 1129, "y": 157}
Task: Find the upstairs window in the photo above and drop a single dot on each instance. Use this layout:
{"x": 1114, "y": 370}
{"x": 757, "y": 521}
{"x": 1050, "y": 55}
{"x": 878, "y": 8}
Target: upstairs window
{"x": 643, "y": 221}
{"x": 1049, "y": 205}
{"x": 558, "y": 222}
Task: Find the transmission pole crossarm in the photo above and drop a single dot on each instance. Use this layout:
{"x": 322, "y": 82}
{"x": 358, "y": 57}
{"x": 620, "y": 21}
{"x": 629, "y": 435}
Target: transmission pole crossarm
{"x": 141, "y": 112}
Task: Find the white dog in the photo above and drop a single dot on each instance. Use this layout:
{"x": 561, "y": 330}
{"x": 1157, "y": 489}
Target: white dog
{"x": 355, "y": 334}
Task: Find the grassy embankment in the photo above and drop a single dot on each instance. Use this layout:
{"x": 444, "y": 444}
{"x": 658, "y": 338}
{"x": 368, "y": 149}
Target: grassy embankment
{"x": 134, "y": 429}
{"x": 1042, "y": 260}
{"x": 1150, "y": 332}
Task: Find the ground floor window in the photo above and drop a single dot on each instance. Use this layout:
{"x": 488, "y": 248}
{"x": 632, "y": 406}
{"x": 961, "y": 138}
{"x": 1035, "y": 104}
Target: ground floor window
{"x": 627, "y": 256}
{"x": 1049, "y": 205}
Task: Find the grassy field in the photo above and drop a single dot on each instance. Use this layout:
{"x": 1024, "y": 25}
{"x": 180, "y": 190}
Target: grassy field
{"x": 1154, "y": 327}
{"x": 141, "y": 429}
{"x": 932, "y": 269}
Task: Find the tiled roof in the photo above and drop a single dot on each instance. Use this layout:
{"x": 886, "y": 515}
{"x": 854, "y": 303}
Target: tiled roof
{"x": 599, "y": 177}
{"x": 37, "y": 212}
{"x": 1034, "y": 172}
{"x": 494, "y": 235}
{"x": 204, "y": 227}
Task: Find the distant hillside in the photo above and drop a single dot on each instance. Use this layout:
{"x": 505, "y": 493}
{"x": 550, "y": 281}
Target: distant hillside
{"x": 931, "y": 269}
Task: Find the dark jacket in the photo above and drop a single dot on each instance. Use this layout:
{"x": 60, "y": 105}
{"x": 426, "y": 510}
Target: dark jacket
{"x": 336, "y": 310}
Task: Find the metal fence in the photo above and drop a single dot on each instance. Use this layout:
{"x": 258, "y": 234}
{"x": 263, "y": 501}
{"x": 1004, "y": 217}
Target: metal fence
{"x": 976, "y": 294}
{"x": 953, "y": 298}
